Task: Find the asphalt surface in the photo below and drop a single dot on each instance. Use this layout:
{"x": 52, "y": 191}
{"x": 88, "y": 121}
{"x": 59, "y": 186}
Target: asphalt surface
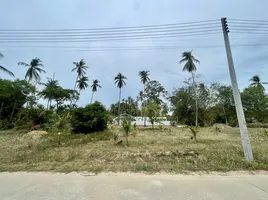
{"x": 75, "y": 186}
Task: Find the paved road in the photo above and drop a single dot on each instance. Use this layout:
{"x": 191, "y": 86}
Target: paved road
{"x": 48, "y": 186}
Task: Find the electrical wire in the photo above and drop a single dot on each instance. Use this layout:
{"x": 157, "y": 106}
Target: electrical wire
{"x": 247, "y": 20}
{"x": 211, "y": 28}
{"x": 132, "y": 48}
{"x": 185, "y": 24}
{"x": 114, "y": 38}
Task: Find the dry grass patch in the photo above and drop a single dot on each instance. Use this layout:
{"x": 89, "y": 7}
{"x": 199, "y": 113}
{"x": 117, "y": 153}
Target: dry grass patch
{"x": 152, "y": 150}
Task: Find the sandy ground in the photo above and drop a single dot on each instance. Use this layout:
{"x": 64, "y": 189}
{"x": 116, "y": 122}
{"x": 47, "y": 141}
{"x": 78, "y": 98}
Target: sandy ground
{"x": 134, "y": 186}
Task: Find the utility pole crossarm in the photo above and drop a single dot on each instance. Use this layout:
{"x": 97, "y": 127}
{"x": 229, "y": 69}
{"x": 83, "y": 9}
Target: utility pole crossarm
{"x": 236, "y": 93}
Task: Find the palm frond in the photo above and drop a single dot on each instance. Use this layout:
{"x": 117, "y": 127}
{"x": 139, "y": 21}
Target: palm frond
{"x": 6, "y": 70}
{"x": 23, "y": 64}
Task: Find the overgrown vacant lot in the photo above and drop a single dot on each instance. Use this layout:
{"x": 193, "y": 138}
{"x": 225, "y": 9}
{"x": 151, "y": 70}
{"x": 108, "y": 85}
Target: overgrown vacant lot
{"x": 151, "y": 151}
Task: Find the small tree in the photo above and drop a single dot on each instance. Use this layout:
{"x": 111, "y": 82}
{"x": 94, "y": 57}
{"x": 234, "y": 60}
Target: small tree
{"x": 152, "y": 111}
{"x": 194, "y": 130}
{"x": 127, "y": 128}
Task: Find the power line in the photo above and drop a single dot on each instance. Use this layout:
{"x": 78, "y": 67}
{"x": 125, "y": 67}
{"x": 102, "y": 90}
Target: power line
{"x": 249, "y": 32}
{"x": 138, "y": 37}
{"x": 64, "y": 34}
{"x": 185, "y": 24}
{"x": 132, "y": 48}
{"x": 247, "y": 20}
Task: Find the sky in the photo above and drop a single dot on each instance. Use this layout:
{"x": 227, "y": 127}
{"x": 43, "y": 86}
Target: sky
{"x": 163, "y": 64}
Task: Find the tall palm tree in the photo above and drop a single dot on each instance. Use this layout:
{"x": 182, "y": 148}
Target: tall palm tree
{"x": 80, "y": 68}
{"x": 5, "y": 69}
{"x": 190, "y": 60}
{"x": 82, "y": 83}
{"x": 256, "y": 82}
{"x": 49, "y": 91}
{"x": 34, "y": 69}
{"x": 144, "y": 76}
{"x": 94, "y": 87}
{"x": 119, "y": 80}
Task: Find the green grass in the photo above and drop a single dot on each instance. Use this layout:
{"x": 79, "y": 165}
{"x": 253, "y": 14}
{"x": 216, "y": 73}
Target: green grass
{"x": 152, "y": 150}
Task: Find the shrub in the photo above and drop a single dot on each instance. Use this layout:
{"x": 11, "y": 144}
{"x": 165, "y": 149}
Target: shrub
{"x": 127, "y": 128}
{"x": 194, "y": 131}
{"x": 92, "y": 118}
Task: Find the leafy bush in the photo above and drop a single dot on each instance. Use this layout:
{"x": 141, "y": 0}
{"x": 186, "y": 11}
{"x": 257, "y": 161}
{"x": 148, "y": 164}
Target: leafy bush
{"x": 58, "y": 123}
{"x": 92, "y": 118}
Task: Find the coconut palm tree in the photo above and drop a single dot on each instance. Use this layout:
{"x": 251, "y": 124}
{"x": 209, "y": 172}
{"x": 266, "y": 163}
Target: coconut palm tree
{"x": 80, "y": 68}
{"x": 119, "y": 80}
{"x": 256, "y": 82}
{"x": 49, "y": 91}
{"x": 94, "y": 87}
{"x": 144, "y": 76}
{"x": 5, "y": 69}
{"x": 82, "y": 83}
{"x": 34, "y": 70}
{"x": 190, "y": 60}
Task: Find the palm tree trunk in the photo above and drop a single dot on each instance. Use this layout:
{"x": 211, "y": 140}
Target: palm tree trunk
{"x": 196, "y": 101}
{"x": 119, "y": 115}
{"x": 92, "y": 97}
{"x": 13, "y": 110}
{"x": 1, "y": 109}
{"x": 226, "y": 121}
{"x": 48, "y": 104}
{"x": 144, "y": 116}
{"x": 74, "y": 89}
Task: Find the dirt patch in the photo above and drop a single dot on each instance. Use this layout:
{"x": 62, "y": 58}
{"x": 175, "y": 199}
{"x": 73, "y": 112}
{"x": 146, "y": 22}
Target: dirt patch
{"x": 37, "y": 133}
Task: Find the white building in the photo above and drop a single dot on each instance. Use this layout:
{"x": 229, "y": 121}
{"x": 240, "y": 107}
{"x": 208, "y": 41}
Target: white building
{"x": 140, "y": 120}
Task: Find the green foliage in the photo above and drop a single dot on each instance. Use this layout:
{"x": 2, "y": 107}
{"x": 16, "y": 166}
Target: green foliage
{"x": 194, "y": 131}
{"x": 215, "y": 104}
{"x": 59, "y": 123}
{"x": 28, "y": 117}
{"x": 154, "y": 92}
{"x": 34, "y": 69}
{"x": 189, "y": 60}
{"x": 126, "y": 124}
{"x": 92, "y": 118}
{"x": 54, "y": 92}
{"x": 255, "y": 103}
{"x": 152, "y": 111}
{"x": 127, "y": 106}
{"x": 13, "y": 95}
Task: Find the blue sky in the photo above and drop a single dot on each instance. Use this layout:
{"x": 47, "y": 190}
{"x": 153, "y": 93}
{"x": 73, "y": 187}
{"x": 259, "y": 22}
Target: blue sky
{"x": 162, "y": 64}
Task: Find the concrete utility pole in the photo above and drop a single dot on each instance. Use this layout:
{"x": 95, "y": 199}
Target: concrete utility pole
{"x": 238, "y": 104}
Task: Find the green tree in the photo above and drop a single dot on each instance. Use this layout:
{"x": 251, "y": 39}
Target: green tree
{"x": 152, "y": 110}
{"x": 80, "y": 68}
{"x": 34, "y": 70}
{"x": 126, "y": 124}
{"x": 49, "y": 91}
{"x": 13, "y": 95}
{"x": 82, "y": 83}
{"x": 182, "y": 105}
{"x": 226, "y": 103}
{"x": 154, "y": 92}
{"x": 92, "y": 118}
{"x": 5, "y": 69}
{"x": 119, "y": 80}
{"x": 255, "y": 104}
{"x": 95, "y": 85}
{"x": 256, "y": 82}
{"x": 144, "y": 77}
{"x": 190, "y": 60}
